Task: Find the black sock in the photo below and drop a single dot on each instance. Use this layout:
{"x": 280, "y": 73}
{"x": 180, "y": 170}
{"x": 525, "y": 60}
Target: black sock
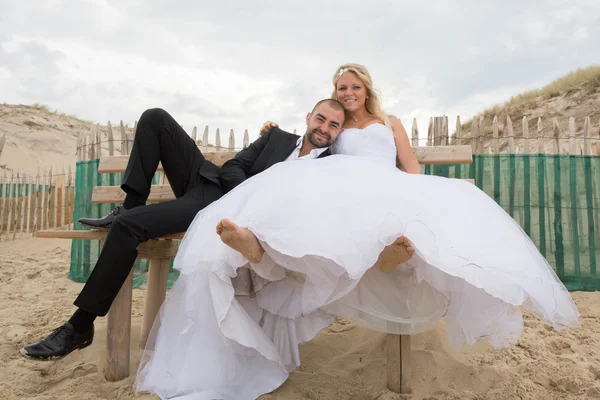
{"x": 133, "y": 201}
{"x": 82, "y": 320}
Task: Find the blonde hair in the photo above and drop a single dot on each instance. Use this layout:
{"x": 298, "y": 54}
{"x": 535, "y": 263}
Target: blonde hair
{"x": 373, "y": 103}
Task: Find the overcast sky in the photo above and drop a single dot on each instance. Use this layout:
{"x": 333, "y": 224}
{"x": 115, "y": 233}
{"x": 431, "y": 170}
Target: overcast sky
{"x": 233, "y": 64}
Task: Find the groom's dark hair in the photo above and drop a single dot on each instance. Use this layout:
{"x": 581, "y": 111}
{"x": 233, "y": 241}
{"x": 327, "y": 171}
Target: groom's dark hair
{"x": 336, "y": 105}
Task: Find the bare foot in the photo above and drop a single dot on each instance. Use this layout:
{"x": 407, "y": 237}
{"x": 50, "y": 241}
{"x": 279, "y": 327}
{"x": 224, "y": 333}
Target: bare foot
{"x": 395, "y": 254}
{"x": 240, "y": 239}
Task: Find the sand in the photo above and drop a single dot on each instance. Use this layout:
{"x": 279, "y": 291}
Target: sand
{"x": 344, "y": 361}
{"x": 36, "y": 137}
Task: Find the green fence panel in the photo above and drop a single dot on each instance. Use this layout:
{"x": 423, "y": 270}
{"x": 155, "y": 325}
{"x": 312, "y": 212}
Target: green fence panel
{"x": 84, "y": 253}
{"x": 554, "y": 198}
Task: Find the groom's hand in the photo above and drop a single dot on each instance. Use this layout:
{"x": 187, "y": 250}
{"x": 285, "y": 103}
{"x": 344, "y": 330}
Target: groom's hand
{"x": 266, "y": 126}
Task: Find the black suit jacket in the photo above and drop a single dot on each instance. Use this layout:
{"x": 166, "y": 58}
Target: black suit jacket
{"x": 272, "y": 147}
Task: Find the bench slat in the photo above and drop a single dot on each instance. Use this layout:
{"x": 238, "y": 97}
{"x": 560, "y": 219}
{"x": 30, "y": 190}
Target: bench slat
{"x": 435, "y": 155}
{"x": 425, "y": 155}
{"x": 119, "y": 163}
{"x": 114, "y": 194}
{"x": 87, "y": 235}
{"x": 158, "y": 194}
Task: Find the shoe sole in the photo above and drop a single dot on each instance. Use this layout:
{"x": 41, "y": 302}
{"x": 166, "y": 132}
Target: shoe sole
{"x": 96, "y": 228}
{"x": 54, "y": 358}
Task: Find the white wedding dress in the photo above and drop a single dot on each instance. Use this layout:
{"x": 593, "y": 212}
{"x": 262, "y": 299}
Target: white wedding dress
{"x": 230, "y": 330}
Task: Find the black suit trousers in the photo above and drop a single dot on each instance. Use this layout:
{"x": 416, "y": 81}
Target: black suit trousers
{"x": 159, "y": 138}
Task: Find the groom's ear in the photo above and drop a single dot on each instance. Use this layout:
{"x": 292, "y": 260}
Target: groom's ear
{"x": 307, "y": 117}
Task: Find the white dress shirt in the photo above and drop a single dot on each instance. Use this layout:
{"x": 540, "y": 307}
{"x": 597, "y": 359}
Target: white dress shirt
{"x": 313, "y": 153}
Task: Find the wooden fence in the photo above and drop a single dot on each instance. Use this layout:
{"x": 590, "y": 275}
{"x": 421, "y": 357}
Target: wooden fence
{"x": 541, "y": 135}
{"x": 29, "y": 201}
{"x": 32, "y": 201}
{"x": 94, "y": 143}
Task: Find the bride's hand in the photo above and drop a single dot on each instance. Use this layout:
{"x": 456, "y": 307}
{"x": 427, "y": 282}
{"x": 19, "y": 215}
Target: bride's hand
{"x": 266, "y": 126}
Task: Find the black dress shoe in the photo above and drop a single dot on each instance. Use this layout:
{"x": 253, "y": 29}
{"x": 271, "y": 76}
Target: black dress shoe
{"x": 62, "y": 341}
{"x": 104, "y": 222}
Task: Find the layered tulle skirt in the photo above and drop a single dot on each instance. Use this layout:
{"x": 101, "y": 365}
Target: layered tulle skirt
{"x": 230, "y": 329}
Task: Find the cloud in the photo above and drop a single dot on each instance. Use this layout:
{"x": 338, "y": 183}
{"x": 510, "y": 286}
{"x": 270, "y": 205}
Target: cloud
{"x": 233, "y": 64}
{"x": 32, "y": 69}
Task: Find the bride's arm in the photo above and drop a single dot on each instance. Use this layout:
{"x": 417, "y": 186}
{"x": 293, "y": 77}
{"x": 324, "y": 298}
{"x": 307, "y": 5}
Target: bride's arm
{"x": 267, "y": 126}
{"x": 406, "y": 157}
{"x": 236, "y": 170}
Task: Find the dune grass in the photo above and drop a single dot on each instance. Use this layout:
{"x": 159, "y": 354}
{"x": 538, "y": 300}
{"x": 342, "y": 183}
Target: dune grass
{"x": 582, "y": 78}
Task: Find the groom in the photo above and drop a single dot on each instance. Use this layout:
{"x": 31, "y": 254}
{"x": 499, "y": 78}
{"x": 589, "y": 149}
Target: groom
{"x": 196, "y": 183}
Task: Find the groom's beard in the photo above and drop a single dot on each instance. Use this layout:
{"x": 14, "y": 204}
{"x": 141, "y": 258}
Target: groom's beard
{"x": 317, "y": 141}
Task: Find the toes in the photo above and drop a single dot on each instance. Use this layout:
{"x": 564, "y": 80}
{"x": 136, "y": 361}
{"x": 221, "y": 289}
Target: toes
{"x": 228, "y": 224}
{"x": 404, "y": 241}
{"x": 399, "y": 240}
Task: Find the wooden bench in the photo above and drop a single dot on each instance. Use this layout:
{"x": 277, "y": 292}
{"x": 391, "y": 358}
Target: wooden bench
{"x": 159, "y": 252}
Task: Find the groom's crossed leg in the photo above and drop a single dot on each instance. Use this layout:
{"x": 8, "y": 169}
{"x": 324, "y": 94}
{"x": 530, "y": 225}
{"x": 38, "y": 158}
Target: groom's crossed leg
{"x": 159, "y": 138}
{"x": 125, "y": 235}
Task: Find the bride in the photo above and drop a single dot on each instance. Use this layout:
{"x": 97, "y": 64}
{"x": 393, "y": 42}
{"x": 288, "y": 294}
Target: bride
{"x": 304, "y": 242}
